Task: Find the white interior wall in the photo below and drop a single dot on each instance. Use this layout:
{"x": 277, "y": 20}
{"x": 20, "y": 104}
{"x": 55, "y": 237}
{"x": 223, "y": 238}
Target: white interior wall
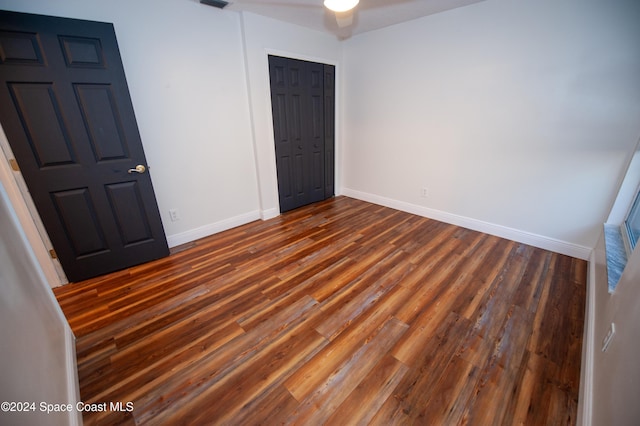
{"x": 517, "y": 114}
{"x": 185, "y": 69}
{"x": 38, "y": 348}
{"x": 265, "y": 36}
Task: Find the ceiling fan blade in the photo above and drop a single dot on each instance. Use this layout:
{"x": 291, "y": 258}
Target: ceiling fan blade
{"x": 220, "y": 4}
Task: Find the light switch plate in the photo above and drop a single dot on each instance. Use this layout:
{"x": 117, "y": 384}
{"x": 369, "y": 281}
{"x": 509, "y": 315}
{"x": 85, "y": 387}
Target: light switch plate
{"x": 609, "y": 337}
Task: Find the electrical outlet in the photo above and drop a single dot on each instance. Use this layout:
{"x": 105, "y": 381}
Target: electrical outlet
{"x": 425, "y": 192}
{"x": 173, "y": 214}
{"x": 609, "y": 337}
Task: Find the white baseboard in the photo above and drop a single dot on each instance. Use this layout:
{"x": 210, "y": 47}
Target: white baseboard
{"x": 270, "y": 213}
{"x": 73, "y": 384}
{"x": 212, "y": 228}
{"x": 585, "y": 400}
{"x": 524, "y": 237}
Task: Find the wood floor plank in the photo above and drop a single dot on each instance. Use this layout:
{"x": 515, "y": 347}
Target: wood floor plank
{"x": 450, "y": 395}
{"x": 196, "y": 378}
{"x": 309, "y": 376}
{"x": 429, "y": 360}
{"x": 363, "y": 301}
{"x": 343, "y": 312}
{"x": 273, "y": 409}
{"x": 251, "y": 382}
{"x": 149, "y": 379}
{"x": 362, "y": 404}
{"x": 317, "y": 407}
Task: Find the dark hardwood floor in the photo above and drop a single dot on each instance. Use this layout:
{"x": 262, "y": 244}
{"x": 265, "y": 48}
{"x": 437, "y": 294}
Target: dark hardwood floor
{"x": 344, "y": 313}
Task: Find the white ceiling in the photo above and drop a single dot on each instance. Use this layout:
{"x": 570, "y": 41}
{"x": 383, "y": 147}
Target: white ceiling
{"x": 369, "y": 15}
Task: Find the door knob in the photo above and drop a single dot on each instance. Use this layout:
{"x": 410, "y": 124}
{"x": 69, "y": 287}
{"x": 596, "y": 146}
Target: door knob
{"x": 139, "y": 169}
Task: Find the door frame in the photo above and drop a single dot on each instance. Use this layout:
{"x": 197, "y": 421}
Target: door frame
{"x": 271, "y": 166}
{"x": 28, "y": 216}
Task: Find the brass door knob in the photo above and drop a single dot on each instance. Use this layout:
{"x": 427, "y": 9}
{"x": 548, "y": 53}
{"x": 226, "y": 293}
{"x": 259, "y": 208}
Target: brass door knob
{"x": 139, "y": 169}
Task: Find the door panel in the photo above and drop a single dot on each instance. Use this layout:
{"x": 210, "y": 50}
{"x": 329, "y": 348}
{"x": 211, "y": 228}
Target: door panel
{"x": 82, "y": 51}
{"x": 128, "y": 209}
{"x": 101, "y": 119}
{"x": 300, "y": 110}
{"x": 66, "y": 110}
{"x": 39, "y": 110}
{"x": 20, "y": 48}
{"x": 80, "y": 220}
{"x": 317, "y": 170}
{"x": 329, "y": 129}
{"x": 299, "y": 180}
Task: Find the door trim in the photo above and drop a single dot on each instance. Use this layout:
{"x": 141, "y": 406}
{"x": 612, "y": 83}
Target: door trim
{"x": 28, "y": 216}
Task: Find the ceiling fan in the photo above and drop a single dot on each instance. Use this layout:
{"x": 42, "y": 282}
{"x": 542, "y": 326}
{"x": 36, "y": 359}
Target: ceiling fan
{"x": 343, "y": 9}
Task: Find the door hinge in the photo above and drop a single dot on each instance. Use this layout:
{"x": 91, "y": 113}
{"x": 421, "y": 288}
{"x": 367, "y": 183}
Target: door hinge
{"x": 53, "y": 254}
{"x": 14, "y": 165}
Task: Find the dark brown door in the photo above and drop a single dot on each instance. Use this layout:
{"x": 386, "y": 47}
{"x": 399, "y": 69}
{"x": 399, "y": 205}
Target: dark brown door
{"x": 303, "y": 113}
{"x": 66, "y": 111}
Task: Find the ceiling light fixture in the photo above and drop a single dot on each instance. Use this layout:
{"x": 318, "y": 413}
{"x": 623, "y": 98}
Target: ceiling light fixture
{"x": 340, "y": 5}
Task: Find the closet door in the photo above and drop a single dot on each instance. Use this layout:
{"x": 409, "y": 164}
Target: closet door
{"x": 302, "y": 102}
